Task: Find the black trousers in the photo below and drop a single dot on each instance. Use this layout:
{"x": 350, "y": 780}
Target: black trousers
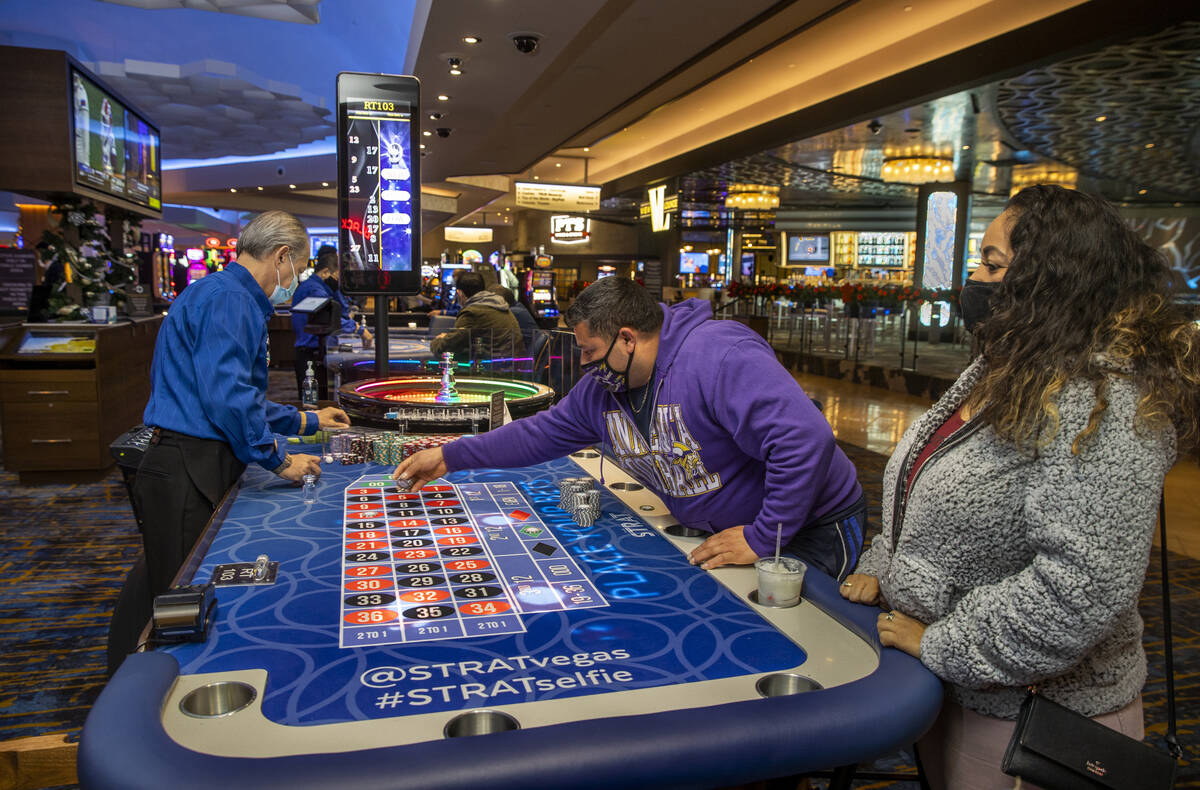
{"x": 303, "y": 357}
{"x": 179, "y": 484}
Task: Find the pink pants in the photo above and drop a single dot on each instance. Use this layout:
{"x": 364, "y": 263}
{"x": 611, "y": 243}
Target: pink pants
{"x": 963, "y": 749}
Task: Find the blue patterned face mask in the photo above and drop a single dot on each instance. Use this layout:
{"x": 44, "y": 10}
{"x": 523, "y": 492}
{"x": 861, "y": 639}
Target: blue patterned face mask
{"x": 604, "y": 374}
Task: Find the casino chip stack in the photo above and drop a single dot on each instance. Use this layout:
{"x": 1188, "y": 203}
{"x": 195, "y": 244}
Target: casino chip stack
{"x": 579, "y": 497}
{"x": 426, "y": 442}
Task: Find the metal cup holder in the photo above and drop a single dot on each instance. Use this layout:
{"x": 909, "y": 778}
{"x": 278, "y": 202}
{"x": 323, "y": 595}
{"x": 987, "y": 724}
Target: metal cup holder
{"x": 783, "y": 684}
{"x": 680, "y": 531}
{"x": 586, "y": 454}
{"x": 217, "y": 699}
{"x": 619, "y": 486}
{"x": 479, "y": 722}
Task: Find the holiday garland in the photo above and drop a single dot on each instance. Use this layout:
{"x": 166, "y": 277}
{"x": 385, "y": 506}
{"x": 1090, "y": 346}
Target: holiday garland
{"x": 881, "y": 295}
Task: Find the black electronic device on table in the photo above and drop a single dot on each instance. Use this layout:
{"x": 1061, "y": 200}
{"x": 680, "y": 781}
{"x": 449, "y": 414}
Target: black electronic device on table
{"x": 379, "y": 184}
{"x": 324, "y": 319}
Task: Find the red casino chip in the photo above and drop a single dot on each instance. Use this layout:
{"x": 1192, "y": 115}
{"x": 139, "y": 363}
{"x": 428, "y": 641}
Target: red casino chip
{"x": 371, "y": 616}
{"x": 363, "y": 571}
{"x": 369, "y": 585}
{"x": 519, "y": 515}
{"x": 482, "y": 608}
{"x": 467, "y": 565}
{"x": 425, "y": 596}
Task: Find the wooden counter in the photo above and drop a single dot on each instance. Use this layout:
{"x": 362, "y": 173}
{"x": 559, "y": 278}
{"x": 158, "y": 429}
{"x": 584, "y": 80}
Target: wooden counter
{"x": 60, "y": 409}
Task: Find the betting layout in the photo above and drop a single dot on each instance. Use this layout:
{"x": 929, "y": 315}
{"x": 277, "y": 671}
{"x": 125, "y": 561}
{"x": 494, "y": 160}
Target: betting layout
{"x": 449, "y": 561}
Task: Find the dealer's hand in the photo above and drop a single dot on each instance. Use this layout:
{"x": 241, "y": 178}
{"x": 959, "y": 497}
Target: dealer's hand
{"x": 301, "y": 464}
{"x": 331, "y": 418}
{"x": 727, "y": 547}
{"x": 421, "y": 467}
{"x": 860, "y": 588}
{"x": 900, "y": 631}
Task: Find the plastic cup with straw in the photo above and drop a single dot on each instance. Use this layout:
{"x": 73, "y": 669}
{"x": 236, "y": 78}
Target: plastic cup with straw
{"x": 780, "y": 579}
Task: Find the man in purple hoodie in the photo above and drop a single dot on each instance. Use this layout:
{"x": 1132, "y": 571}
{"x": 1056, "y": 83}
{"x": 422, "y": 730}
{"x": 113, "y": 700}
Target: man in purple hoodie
{"x": 701, "y": 412}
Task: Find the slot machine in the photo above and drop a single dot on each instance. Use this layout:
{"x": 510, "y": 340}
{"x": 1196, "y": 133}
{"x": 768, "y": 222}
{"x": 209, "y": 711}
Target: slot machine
{"x": 540, "y": 292}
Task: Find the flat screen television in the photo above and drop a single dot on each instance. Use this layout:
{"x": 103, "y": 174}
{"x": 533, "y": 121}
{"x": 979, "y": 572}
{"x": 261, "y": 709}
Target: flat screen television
{"x": 693, "y": 263}
{"x": 116, "y": 151}
{"x": 813, "y": 248}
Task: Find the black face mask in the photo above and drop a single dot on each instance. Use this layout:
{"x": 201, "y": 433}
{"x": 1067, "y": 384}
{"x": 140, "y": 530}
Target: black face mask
{"x": 975, "y": 302}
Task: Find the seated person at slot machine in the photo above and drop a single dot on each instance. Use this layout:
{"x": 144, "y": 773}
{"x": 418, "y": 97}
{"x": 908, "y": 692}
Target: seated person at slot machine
{"x": 321, "y": 283}
{"x": 699, "y": 411}
{"x": 208, "y": 403}
{"x": 484, "y": 318}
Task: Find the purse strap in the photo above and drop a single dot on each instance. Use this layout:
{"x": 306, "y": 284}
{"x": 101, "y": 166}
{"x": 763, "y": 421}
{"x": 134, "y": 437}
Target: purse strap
{"x": 1172, "y": 741}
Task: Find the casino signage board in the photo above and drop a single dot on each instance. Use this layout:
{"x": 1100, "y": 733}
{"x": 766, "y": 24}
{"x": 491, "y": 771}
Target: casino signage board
{"x": 566, "y": 229}
{"x": 557, "y": 197}
{"x": 379, "y": 184}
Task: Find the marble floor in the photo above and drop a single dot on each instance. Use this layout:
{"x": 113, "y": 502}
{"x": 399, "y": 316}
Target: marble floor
{"x": 874, "y": 419}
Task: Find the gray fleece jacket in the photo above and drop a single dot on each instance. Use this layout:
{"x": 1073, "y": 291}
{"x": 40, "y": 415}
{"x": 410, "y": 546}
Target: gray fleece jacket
{"x": 1026, "y": 569}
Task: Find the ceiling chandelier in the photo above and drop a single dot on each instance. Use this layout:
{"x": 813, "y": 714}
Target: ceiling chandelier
{"x": 1031, "y": 175}
{"x": 918, "y": 169}
{"x": 752, "y": 197}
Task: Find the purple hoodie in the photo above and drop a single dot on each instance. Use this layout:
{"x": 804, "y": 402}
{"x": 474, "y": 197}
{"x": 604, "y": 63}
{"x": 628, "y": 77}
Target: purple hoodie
{"x": 734, "y": 438}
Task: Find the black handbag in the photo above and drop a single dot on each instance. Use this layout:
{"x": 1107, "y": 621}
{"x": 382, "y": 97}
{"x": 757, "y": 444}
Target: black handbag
{"x": 1059, "y": 749}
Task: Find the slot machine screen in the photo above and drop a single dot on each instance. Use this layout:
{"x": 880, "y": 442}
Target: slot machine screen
{"x": 379, "y": 184}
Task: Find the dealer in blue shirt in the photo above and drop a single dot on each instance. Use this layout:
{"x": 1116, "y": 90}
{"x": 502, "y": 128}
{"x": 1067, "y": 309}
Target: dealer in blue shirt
{"x": 208, "y": 399}
{"x": 321, "y": 283}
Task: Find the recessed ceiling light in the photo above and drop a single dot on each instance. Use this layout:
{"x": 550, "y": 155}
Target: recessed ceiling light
{"x": 1149, "y": 145}
{"x": 443, "y": 97}
{"x": 231, "y": 189}
{"x": 585, "y": 148}
{"x": 422, "y": 146}
{"x": 1141, "y": 191}
{"x": 260, "y": 189}
{"x": 966, "y": 148}
{"x": 558, "y": 164}
{"x": 1101, "y": 118}
{"x": 535, "y": 178}
{"x": 471, "y": 39}
{"x": 435, "y": 116}
{"x": 427, "y": 133}
{"x": 324, "y": 183}
{"x": 456, "y": 71}
{"x": 291, "y": 186}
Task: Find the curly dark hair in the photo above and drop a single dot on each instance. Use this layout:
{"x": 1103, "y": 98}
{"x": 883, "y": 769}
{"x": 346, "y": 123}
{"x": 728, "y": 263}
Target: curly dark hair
{"x": 1082, "y": 285}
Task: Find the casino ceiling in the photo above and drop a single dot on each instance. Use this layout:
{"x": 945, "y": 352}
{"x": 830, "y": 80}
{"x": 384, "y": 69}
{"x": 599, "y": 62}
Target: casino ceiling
{"x": 623, "y": 93}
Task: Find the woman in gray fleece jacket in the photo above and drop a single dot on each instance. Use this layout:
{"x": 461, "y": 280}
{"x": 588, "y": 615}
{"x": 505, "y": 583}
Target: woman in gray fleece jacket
{"x": 1019, "y": 511}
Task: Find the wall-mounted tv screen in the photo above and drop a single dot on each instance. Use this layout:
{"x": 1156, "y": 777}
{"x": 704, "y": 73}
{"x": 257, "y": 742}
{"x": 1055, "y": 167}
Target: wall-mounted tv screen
{"x": 116, "y": 151}
{"x": 809, "y": 248}
{"x": 693, "y": 263}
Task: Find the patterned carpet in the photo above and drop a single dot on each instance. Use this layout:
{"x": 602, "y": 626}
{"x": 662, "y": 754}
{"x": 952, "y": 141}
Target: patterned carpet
{"x": 64, "y": 551}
